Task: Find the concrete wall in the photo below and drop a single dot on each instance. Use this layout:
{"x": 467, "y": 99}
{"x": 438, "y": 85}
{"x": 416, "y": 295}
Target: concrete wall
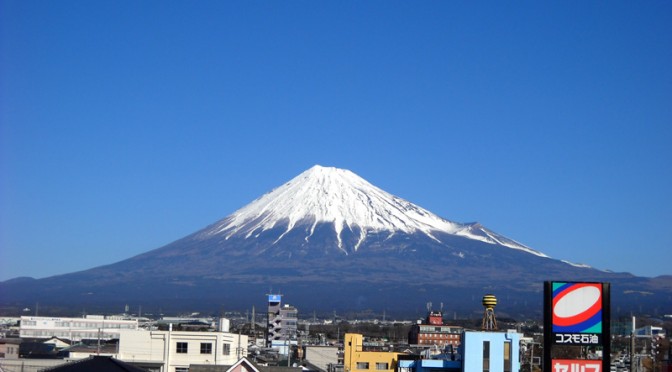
{"x": 322, "y": 356}
{"x": 473, "y": 346}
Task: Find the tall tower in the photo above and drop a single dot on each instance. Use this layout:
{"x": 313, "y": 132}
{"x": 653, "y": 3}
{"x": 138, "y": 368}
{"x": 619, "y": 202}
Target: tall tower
{"x": 273, "y": 317}
{"x": 489, "y": 320}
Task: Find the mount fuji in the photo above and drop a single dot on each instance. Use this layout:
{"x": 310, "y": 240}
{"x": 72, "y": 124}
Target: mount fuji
{"x": 351, "y": 205}
{"x": 330, "y": 240}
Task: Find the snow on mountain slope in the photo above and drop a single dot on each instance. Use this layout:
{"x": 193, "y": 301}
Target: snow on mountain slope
{"x": 338, "y": 196}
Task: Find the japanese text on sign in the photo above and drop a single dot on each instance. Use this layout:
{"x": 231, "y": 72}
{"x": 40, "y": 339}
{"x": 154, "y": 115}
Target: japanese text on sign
{"x": 577, "y": 338}
{"x": 562, "y": 365}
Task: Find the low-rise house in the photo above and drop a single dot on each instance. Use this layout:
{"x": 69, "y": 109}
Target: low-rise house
{"x": 96, "y": 363}
{"x": 9, "y": 348}
{"x": 243, "y": 365}
{"x": 58, "y": 343}
{"x": 83, "y": 351}
{"x": 37, "y": 350}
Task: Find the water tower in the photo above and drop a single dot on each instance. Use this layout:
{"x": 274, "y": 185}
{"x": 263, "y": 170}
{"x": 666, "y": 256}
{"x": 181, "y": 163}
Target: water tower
{"x": 489, "y": 321}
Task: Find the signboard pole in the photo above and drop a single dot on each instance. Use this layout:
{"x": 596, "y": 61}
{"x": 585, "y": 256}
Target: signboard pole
{"x": 606, "y": 328}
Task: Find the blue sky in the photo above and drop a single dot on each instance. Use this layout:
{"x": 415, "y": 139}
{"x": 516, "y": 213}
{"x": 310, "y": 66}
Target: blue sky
{"x": 125, "y": 125}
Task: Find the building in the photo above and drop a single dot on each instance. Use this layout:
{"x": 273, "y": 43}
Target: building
{"x": 9, "y": 348}
{"x": 357, "y": 359}
{"x": 244, "y": 365}
{"x": 323, "y": 357}
{"x": 95, "y": 363}
{"x": 282, "y": 323}
{"x": 429, "y": 365}
{"x": 175, "y": 351}
{"x": 479, "y": 351}
{"x": 649, "y": 331}
{"x": 491, "y": 351}
{"x": 155, "y": 351}
{"x": 74, "y": 329}
{"x": 434, "y": 333}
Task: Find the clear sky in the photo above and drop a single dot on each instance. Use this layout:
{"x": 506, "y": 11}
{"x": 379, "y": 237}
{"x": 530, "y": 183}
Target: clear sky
{"x": 125, "y": 125}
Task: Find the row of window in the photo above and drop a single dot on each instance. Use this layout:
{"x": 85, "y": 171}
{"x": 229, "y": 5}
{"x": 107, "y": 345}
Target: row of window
{"x": 85, "y": 325}
{"x": 379, "y": 366}
{"x": 206, "y": 348}
{"x": 441, "y": 329}
{"x": 69, "y": 324}
{"x": 75, "y": 335}
{"x": 438, "y": 336}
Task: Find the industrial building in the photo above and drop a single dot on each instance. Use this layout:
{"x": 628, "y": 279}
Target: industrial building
{"x": 74, "y": 329}
{"x": 432, "y": 332}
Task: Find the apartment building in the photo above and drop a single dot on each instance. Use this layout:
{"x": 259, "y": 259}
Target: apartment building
{"x": 175, "y": 351}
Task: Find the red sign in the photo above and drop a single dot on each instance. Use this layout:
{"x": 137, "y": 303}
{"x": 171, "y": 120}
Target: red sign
{"x": 576, "y": 365}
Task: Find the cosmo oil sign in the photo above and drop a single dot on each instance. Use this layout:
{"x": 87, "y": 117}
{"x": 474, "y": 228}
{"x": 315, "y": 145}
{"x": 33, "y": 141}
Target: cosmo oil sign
{"x": 576, "y": 314}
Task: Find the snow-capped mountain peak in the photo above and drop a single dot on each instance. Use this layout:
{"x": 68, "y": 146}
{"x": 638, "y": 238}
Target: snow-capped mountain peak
{"x": 339, "y": 196}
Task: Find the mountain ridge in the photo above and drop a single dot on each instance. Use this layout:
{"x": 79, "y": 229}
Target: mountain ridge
{"x": 325, "y": 236}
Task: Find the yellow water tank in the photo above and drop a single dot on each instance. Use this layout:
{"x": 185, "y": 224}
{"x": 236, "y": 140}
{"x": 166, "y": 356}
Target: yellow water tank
{"x": 489, "y": 301}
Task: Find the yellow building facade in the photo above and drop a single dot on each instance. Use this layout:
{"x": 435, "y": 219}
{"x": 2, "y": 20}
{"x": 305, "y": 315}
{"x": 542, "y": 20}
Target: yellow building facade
{"x": 355, "y": 359}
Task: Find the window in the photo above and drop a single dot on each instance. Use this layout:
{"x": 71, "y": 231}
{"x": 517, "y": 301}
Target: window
{"x": 486, "y": 356}
{"x": 206, "y": 348}
{"x": 182, "y": 348}
{"x": 227, "y": 349}
{"x": 384, "y": 366}
{"x": 362, "y": 365}
{"x": 181, "y": 369}
{"x": 507, "y": 356}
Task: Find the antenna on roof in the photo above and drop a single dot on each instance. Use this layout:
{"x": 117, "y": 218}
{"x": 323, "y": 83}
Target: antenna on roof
{"x": 429, "y": 306}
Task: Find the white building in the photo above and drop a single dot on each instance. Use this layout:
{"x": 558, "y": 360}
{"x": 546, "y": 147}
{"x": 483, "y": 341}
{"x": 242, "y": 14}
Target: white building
{"x": 322, "y": 356}
{"x": 174, "y": 351}
{"x": 74, "y": 329}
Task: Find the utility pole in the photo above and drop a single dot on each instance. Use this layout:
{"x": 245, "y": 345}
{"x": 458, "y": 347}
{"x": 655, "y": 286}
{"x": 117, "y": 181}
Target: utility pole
{"x": 632, "y": 346}
{"x": 252, "y": 325}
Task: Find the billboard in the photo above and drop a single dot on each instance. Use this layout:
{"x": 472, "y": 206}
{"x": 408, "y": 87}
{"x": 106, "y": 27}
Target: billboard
{"x": 576, "y": 314}
{"x": 274, "y": 298}
{"x": 576, "y": 365}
